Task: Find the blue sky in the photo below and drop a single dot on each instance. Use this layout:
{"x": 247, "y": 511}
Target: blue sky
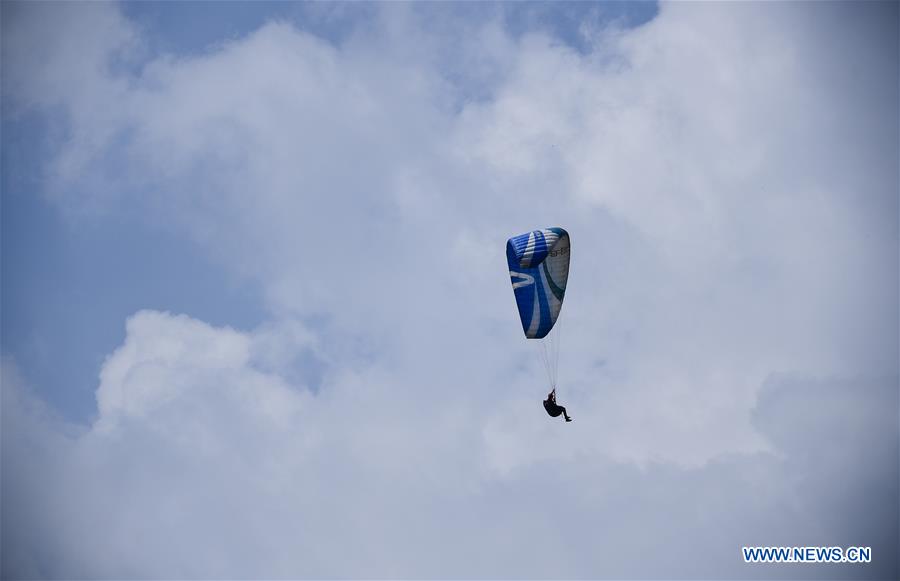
{"x": 254, "y": 309}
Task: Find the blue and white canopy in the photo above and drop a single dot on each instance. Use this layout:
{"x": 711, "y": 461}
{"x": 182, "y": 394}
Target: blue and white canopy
{"x": 539, "y": 269}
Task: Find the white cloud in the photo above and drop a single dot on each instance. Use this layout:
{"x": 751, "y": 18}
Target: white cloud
{"x": 723, "y": 233}
{"x": 215, "y": 468}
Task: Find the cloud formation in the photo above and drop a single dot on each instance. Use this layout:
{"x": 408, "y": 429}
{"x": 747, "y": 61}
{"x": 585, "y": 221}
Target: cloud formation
{"x": 205, "y": 461}
{"x": 729, "y": 332}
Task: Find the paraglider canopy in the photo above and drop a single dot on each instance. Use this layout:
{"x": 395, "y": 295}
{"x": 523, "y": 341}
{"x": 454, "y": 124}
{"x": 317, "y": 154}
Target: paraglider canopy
{"x": 539, "y": 270}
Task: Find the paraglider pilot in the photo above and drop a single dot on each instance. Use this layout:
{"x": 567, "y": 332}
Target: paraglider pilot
{"x": 552, "y": 408}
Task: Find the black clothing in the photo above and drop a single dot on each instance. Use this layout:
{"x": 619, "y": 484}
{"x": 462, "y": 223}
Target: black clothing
{"x": 553, "y": 409}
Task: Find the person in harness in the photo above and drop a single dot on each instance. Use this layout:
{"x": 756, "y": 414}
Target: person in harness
{"x": 553, "y": 409}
